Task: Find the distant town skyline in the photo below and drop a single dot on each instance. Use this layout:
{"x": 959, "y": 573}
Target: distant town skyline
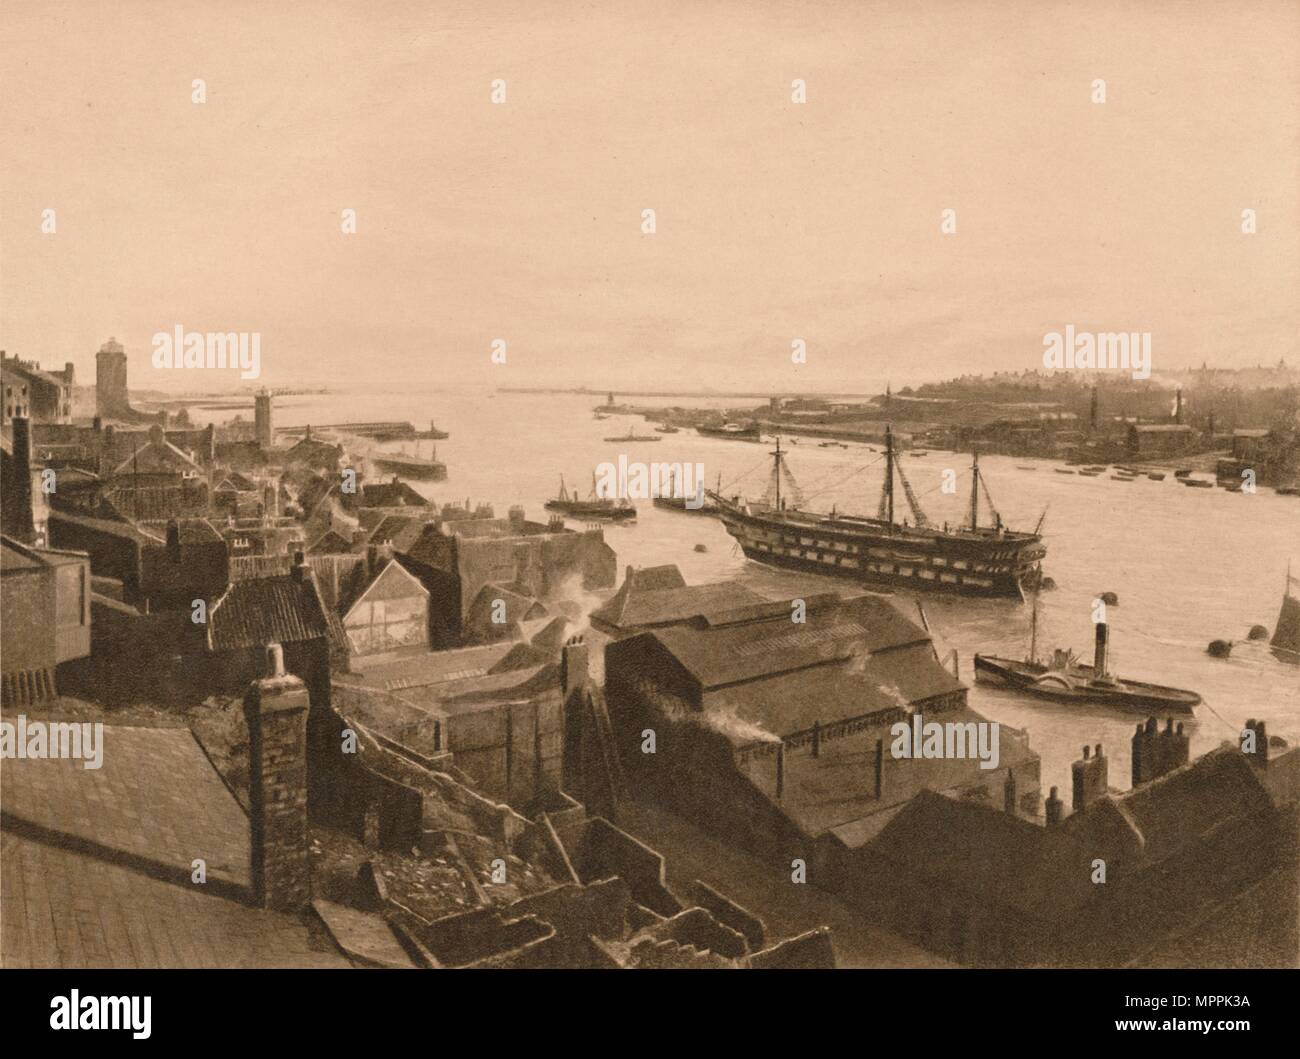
{"x": 775, "y": 220}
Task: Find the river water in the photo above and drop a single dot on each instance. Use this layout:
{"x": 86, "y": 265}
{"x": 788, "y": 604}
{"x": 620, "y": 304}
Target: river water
{"x": 1188, "y": 565}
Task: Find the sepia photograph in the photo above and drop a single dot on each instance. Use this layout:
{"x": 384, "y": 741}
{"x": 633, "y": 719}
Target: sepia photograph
{"x": 552, "y": 485}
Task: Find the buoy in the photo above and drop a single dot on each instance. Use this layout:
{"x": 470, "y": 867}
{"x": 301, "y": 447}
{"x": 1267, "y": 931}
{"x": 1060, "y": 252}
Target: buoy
{"x": 701, "y": 548}
{"x": 1220, "y": 648}
{"x": 1257, "y": 632}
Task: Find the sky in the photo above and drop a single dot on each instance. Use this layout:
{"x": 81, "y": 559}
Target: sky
{"x": 523, "y": 220}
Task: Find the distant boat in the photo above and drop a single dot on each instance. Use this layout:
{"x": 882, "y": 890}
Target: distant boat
{"x": 433, "y": 469}
{"x": 1286, "y": 634}
{"x": 667, "y": 428}
{"x": 599, "y": 415}
{"x": 632, "y": 435}
{"x": 595, "y": 507}
{"x": 1066, "y": 679}
{"x": 1023, "y": 467}
{"x": 1062, "y": 470}
{"x": 1122, "y": 478}
{"x": 1089, "y": 474}
{"x": 1182, "y": 473}
{"x": 700, "y": 503}
{"x": 732, "y": 431}
{"x": 1287, "y": 490}
{"x": 1197, "y": 483}
{"x": 1155, "y": 476}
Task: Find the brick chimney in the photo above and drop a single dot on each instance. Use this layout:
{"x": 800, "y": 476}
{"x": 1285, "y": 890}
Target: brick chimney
{"x": 573, "y": 666}
{"x": 1090, "y": 775}
{"x": 1053, "y": 808}
{"x": 276, "y": 711}
{"x": 1156, "y": 752}
{"x": 19, "y": 521}
{"x": 1259, "y": 756}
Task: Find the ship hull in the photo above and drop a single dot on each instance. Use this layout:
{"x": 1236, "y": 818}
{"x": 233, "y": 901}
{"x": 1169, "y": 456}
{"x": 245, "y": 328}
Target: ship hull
{"x": 427, "y": 472}
{"x": 580, "y": 510}
{"x": 730, "y": 435}
{"x": 968, "y": 564}
{"x": 1039, "y": 681}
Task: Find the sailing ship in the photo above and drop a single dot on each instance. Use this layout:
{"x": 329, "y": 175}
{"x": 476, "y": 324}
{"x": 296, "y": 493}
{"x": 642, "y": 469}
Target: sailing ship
{"x": 970, "y": 559}
{"x": 594, "y": 507}
{"x": 1066, "y": 679}
{"x": 1286, "y": 634}
{"x": 734, "y": 431}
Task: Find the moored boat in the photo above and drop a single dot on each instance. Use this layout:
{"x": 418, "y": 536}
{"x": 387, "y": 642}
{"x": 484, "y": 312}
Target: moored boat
{"x": 594, "y": 507}
{"x": 732, "y": 431}
{"x": 633, "y": 436}
{"x": 969, "y": 559}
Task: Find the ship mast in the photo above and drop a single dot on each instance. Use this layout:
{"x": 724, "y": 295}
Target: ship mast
{"x": 777, "y": 468}
{"x": 1033, "y": 632}
{"x": 975, "y": 490}
{"x": 889, "y": 474}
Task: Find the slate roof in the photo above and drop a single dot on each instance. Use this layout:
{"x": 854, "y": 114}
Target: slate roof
{"x": 157, "y": 457}
{"x": 659, "y": 596}
{"x": 96, "y": 864}
{"x": 261, "y": 611}
{"x": 391, "y": 494}
{"x": 762, "y": 641}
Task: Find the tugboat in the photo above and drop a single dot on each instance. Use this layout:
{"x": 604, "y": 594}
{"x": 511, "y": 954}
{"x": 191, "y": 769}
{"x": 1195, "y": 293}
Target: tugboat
{"x": 969, "y": 559}
{"x": 733, "y": 431}
{"x": 596, "y": 507}
{"x": 1066, "y": 679}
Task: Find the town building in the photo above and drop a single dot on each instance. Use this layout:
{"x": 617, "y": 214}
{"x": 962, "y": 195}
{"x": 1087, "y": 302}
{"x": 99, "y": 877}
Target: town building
{"x": 511, "y": 558}
{"x": 773, "y": 732}
{"x": 32, "y": 392}
{"x": 45, "y": 594}
{"x": 1157, "y": 440}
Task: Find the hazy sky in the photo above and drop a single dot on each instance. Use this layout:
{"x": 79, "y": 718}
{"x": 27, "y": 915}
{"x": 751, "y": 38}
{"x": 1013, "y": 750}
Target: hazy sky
{"x": 522, "y": 221}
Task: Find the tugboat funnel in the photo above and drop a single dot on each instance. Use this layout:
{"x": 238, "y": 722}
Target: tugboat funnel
{"x": 1099, "y": 658}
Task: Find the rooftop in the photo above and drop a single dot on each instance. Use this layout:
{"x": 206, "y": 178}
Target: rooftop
{"x": 97, "y": 864}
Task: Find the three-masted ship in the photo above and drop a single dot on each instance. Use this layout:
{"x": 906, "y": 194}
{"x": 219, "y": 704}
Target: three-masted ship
{"x": 969, "y": 559}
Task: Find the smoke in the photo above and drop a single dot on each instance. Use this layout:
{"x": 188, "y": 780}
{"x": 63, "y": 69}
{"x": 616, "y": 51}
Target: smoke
{"x": 575, "y": 602}
{"x": 737, "y": 728}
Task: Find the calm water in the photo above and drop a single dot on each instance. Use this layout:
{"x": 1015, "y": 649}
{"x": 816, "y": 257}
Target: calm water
{"x": 1189, "y": 565}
